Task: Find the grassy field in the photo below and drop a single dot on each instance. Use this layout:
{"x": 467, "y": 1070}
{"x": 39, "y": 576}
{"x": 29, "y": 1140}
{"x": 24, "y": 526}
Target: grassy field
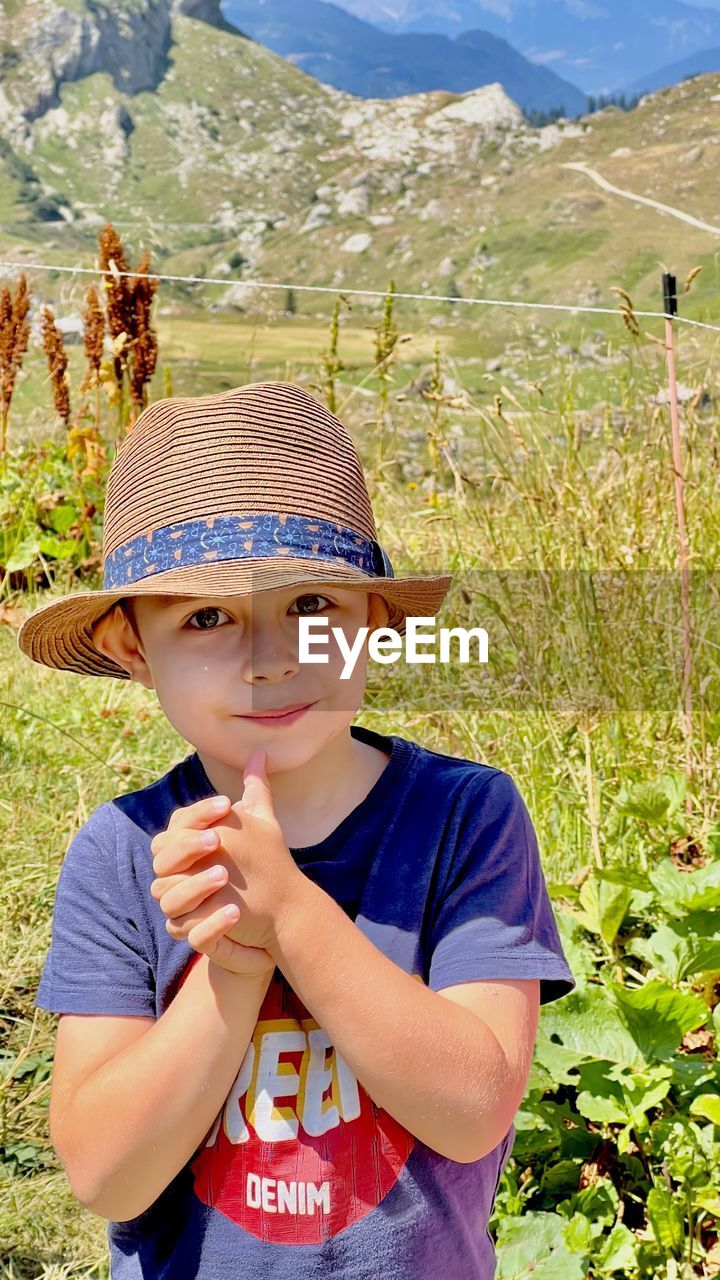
{"x": 555, "y": 511}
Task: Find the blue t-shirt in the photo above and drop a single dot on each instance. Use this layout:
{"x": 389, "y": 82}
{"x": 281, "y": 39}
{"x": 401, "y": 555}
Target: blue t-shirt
{"x": 439, "y": 868}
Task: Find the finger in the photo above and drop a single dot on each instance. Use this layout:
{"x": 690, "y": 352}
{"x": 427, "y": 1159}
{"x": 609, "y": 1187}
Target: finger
{"x": 257, "y": 796}
{"x": 222, "y": 950}
{"x": 207, "y": 932}
{"x": 189, "y": 891}
{"x": 194, "y": 816}
{"x": 162, "y": 883}
{"x": 199, "y": 813}
{"x": 247, "y": 961}
{"x": 184, "y": 850}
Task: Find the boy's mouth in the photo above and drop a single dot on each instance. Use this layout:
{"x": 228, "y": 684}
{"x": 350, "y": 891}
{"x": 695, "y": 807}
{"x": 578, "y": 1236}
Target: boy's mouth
{"x": 284, "y": 715}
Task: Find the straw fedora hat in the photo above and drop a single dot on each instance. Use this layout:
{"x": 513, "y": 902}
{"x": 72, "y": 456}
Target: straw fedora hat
{"x": 225, "y": 494}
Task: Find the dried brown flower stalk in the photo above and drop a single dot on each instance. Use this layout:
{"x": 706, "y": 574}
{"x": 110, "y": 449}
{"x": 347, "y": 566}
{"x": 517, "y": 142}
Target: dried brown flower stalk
{"x": 144, "y": 341}
{"x": 14, "y": 337}
{"x": 93, "y": 335}
{"x": 93, "y": 339}
{"x": 118, "y": 293}
{"x": 54, "y": 349}
{"x": 128, "y": 305}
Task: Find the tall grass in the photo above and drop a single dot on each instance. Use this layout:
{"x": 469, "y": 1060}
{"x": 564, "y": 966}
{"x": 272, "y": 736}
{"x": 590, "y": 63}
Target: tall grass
{"x": 559, "y": 526}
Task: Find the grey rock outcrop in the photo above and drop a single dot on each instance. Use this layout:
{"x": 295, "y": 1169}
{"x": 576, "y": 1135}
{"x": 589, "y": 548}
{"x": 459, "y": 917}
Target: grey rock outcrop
{"x": 130, "y": 43}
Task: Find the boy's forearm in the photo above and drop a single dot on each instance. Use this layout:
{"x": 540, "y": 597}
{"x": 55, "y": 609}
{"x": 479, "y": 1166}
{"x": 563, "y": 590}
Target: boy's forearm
{"x": 136, "y": 1121}
{"x": 430, "y": 1063}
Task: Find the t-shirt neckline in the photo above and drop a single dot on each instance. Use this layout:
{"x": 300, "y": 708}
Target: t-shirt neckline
{"x": 401, "y": 751}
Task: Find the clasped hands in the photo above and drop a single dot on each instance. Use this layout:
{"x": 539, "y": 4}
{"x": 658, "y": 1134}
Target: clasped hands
{"x": 228, "y": 894}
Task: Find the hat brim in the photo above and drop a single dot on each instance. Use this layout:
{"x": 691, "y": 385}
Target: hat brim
{"x": 59, "y": 633}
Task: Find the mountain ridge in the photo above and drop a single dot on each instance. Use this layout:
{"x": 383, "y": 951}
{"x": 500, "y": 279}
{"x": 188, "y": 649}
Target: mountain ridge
{"x": 696, "y": 64}
{"x": 358, "y": 58}
{"x": 602, "y": 47}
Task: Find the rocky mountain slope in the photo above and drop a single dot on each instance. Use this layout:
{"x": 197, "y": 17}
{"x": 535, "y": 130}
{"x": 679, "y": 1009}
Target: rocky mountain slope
{"x": 232, "y": 163}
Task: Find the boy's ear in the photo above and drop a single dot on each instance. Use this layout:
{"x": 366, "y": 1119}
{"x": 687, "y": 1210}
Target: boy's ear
{"x": 114, "y": 635}
{"x": 378, "y": 611}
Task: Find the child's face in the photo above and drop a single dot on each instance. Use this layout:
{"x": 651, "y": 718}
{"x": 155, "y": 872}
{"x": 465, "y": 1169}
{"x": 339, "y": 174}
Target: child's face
{"x": 214, "y": 660}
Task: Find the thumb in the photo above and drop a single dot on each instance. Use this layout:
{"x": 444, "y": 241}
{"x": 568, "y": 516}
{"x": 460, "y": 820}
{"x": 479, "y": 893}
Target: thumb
{"x": 256, "y": 796}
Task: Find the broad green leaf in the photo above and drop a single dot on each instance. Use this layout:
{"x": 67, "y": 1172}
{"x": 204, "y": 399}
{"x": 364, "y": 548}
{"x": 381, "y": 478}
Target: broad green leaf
{"x": 588, "y": 1024}
{"x": 691, "y": 1071}
{"x": 25, "y": 1153}
{"x": 556, "y": 1129}
{"x": 708, "y": 1198}
{"x": 618, "y": 1252}
{"x": 628, "y": 876}
{"x": 602, "y": 1110}
{"x": 575, "y": 945}
{"x": 558, "y": 1059}
{"x": 650, "y": 801}
{"x": 675, "y": 787}
{"x": 657, "y": 1016}
{"x": 23, "y": 556}
{"x": 599, "y": 1202}
{"x": 682, "y": 891}
{"x": 540, "y": 1080}
{"x": 58, "y": 548}
{"x": 60, "y": 518}
{"x": 561, "y": 1176}
{"x": 579, "y": 1233}
{"x": 666, "y": 1219}
{"x": 677, "y": 955}
{"x": 644, "y": 1090}
{"x": 558, "y": 889}
{"x": 617, "y": 1095}
{"x": 707, "y": 1105}
{"x": 613, "y": 1023}
{"x": 680, "y": 1140}
{"x": 531, "y": 1247}
{"x": 712, "y": 841}
{"x": 604, "y": 906}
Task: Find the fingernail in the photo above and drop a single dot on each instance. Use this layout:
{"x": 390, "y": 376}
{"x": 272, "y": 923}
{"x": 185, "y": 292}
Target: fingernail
{"x": 216, "y": 874}
{"x": 219, "y": 802}
{"x": 208, "y": 838}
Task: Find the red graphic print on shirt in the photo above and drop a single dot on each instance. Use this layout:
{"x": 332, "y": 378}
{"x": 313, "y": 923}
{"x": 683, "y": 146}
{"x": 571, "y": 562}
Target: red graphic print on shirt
{"x": 299, "y": 1151}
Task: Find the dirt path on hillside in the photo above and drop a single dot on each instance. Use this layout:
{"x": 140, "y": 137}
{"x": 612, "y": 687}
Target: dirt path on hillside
{"x": 582, "y": 167}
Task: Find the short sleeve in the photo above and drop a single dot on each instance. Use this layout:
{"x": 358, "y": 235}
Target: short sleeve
{"x": 494, "y": 918}
{"x": 96, "y": 962}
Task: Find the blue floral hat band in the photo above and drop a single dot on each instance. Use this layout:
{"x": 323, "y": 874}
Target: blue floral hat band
{"x": 246, "y": 537}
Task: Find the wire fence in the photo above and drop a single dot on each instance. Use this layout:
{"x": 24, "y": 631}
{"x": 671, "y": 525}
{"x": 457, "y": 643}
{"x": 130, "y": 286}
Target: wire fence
{"x": 286, "y": 286}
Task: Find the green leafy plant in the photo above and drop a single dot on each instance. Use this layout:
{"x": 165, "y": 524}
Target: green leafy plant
{"x": 620, "y": 1127}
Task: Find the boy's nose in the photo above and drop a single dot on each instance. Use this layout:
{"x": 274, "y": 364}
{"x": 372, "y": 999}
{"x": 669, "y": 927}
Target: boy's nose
{"x": 269, "y": 660}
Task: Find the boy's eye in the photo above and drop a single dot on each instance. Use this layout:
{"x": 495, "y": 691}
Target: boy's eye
{"x": 199, "y": 614}
{"x": 313, "y": 598}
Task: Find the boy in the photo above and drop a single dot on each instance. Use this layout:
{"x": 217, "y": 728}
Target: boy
{"x": 313, "y": 953}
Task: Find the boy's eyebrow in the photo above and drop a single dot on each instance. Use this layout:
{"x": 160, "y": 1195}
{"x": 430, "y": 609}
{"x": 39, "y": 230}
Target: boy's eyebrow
{"x": 166, "y": 603}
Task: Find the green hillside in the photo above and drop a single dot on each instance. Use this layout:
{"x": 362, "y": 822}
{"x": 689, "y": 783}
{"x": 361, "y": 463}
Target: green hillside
{"x": 232, "y": 163}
